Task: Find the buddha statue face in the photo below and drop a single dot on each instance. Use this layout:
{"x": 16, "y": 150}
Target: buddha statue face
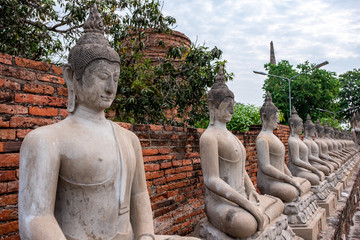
{"x": 224, "y": 112}
{"x": 309, "y": 127}
{"x": 319, "y": 129}
{"x": 269, "y": 114}
{"x": 93, "y": 69}
{"x": 295, "y": 122}
{"x": 97, "y": 87}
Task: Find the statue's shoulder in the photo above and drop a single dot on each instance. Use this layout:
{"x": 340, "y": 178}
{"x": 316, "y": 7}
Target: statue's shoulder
{"x": 210, "y": 134}
{"x": 125, "y": 132}
{"x": 48, "y": 132}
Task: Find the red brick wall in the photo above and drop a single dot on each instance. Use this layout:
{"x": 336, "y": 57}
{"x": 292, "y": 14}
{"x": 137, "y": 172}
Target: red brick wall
{"x": 32, "y": 94}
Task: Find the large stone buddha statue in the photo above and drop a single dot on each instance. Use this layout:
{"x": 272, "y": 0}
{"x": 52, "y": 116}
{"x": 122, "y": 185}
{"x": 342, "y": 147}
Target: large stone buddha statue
{"x": 83, "y": 178}
{"x": 299, "y": 164}
{"x": 274, "y": 177}
{"x": 313, "y": 153}
{"x": 232, "y": 204}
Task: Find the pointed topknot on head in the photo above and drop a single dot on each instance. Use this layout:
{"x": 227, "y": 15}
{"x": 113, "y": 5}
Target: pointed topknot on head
{"x": 293, "y": 110}
{"x": 220, "y": 77}
{"x": 268, "y": 97}
{"x": 294, "y": 118}
{"x": 94, "y": 22}
{"x": 308, "y": 118}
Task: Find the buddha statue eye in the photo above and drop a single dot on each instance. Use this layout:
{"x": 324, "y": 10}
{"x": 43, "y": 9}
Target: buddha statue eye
{"x": 103, "y": 75}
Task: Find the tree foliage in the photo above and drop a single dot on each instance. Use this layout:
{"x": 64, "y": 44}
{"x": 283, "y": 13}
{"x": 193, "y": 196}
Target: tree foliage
{"x": 47, "y": 29}
{"x": 349, "y": 96}
{"x": 317, "y": 89}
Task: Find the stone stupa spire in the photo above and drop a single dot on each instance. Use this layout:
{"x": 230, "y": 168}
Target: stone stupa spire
{"x": 272, "y": 54}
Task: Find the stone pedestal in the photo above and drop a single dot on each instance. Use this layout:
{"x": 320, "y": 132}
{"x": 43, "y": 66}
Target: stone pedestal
{"x": 305, "y": 217}
{"x": 325, "y": 197}
{"x": 277, "y": 229}
{"x": 335, "y": 185}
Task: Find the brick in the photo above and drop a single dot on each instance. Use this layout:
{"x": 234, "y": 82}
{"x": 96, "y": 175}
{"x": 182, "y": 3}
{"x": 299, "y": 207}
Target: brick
{"x": 9, "y": 146}
{"x": 13, "y": 186}
{"x": 9, "y": 160}
{"x": 175, "y": 177}
{"x": 149, "y": 151}
{"x": 39, "y": 88}
{"x": 159, "y": 181}
{"x": 3, "y": 187}
{"x": 7, "y": 134}
{"x": 9, "y": 71}
{"x": 7, "y": 175}
{"x": 5, "y": 58}
{"x": 165, "y": 165}
{"x": 177, "y": 163}
{"x": 156, "y": 158}
{"x": 168, "y": 128}
{"x": 13, "y": 109}
{"x": 184, "y": 169}
{"x": 151, "y": 167}
{"x": 64, "y": 113}
{"x": 164, "y": 150}
{"x": 187, "y": 162}
{"x": 9, "y": 227}
{"x": 8, "y": 214}
{"x": 140, "y": 127}
{"x": 37, "y": 65}
{"x": 28, "y": 122}
{"x": 9, "y": 84}
{"x": 10, "y": 199}
{"x": 43, "y": 111}
{"x": 192, "y": 155}
{"x": 6, "y": 97}
{"x": 162, "y": 188}
{"x": 21, "y": 133}
{"x": 155, "y": 127}
{"x": 40, "y": 100}
{"x": 57, "y": 70}
{"x": 50, "y": 78}
{"x": 62, "y": 91}
{"x": 125, "y": 125}
{"x": 152, "y": 175}
{"x": 178, "y": 184}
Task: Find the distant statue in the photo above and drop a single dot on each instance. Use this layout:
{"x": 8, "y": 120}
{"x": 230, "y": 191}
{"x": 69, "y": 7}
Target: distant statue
{"x": 299, "y": 164}
{"x": 83, "y": 178}
{"x": 274, "y": 177}
{"x": 323, "y": 147}
{"x": 232, "y": 204}
{"x": 332, "y": 147}
{"x": 313, "y": 154}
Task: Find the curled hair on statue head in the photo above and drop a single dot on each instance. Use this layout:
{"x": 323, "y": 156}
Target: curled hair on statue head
{"x": 294, "y": 119}
{"x": 219, "y": 91}
{"x": 268, "y": 108}
{"x": 308, "y": 123}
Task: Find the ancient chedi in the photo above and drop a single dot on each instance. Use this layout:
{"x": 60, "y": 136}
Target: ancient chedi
{"x": 274, "y": 178}
{"x": 83, "y": 178}
{"x": 234, "y": 209}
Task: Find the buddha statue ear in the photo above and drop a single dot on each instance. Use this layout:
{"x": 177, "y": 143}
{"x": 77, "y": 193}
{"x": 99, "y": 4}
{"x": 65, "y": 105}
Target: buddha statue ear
{"x": 211, "y": 112}
{"x": 69, "y": 76}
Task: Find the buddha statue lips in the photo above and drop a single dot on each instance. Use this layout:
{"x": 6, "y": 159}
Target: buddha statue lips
{"x": 232, "y": 204}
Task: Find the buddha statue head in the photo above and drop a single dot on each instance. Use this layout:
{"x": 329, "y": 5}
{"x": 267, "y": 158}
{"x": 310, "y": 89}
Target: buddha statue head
{"x": 269, "y": 114}
{"x": 220, "y": 100}
{"x": 319, "y": 129}
{"x": 327, "y": 129}
{"x": 93, "y": 70}
{"x": 295, "y": 123}
{"x": 309, "y": 127}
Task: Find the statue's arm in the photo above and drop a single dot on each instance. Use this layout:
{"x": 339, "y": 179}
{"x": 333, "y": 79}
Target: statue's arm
{"x": 39, "y": 171}
{"x": 213, "y": 182}
{"x": 140, "y": 207}
{"x": 263, "y": 153}
{"x": 294, "y": 156}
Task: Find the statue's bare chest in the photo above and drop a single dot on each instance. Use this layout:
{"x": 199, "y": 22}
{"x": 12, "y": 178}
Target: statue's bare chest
{"x": 89, "y": 158}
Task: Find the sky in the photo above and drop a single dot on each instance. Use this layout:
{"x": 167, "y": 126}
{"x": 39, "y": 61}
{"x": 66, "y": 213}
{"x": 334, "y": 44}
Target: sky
{"x": 316, "y": 30}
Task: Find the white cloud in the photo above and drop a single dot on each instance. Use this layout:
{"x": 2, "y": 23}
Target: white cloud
{"x": 314, "y": 30}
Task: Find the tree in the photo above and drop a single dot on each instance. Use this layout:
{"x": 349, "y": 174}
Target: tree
{"x": 311, "y": 91}
{"x": 32, "y": 29}
{"x": 349, "y": 100}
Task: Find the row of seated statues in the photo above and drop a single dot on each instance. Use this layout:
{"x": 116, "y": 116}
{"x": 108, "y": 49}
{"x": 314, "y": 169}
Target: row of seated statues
{"x": 235, "y": 210}
{"x": 83, "y": 177}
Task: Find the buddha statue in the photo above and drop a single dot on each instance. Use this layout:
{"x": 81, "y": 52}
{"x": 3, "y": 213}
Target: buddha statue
{"x": 232, "y": 204}
{"x": 323, "y": 146}
{"x": 274, "y": 177}
{"x": 313, "y": 149}
{"x": 83, "y": 177}
{"x": 332, "y": 147}
{"x": 299, "y": 165}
